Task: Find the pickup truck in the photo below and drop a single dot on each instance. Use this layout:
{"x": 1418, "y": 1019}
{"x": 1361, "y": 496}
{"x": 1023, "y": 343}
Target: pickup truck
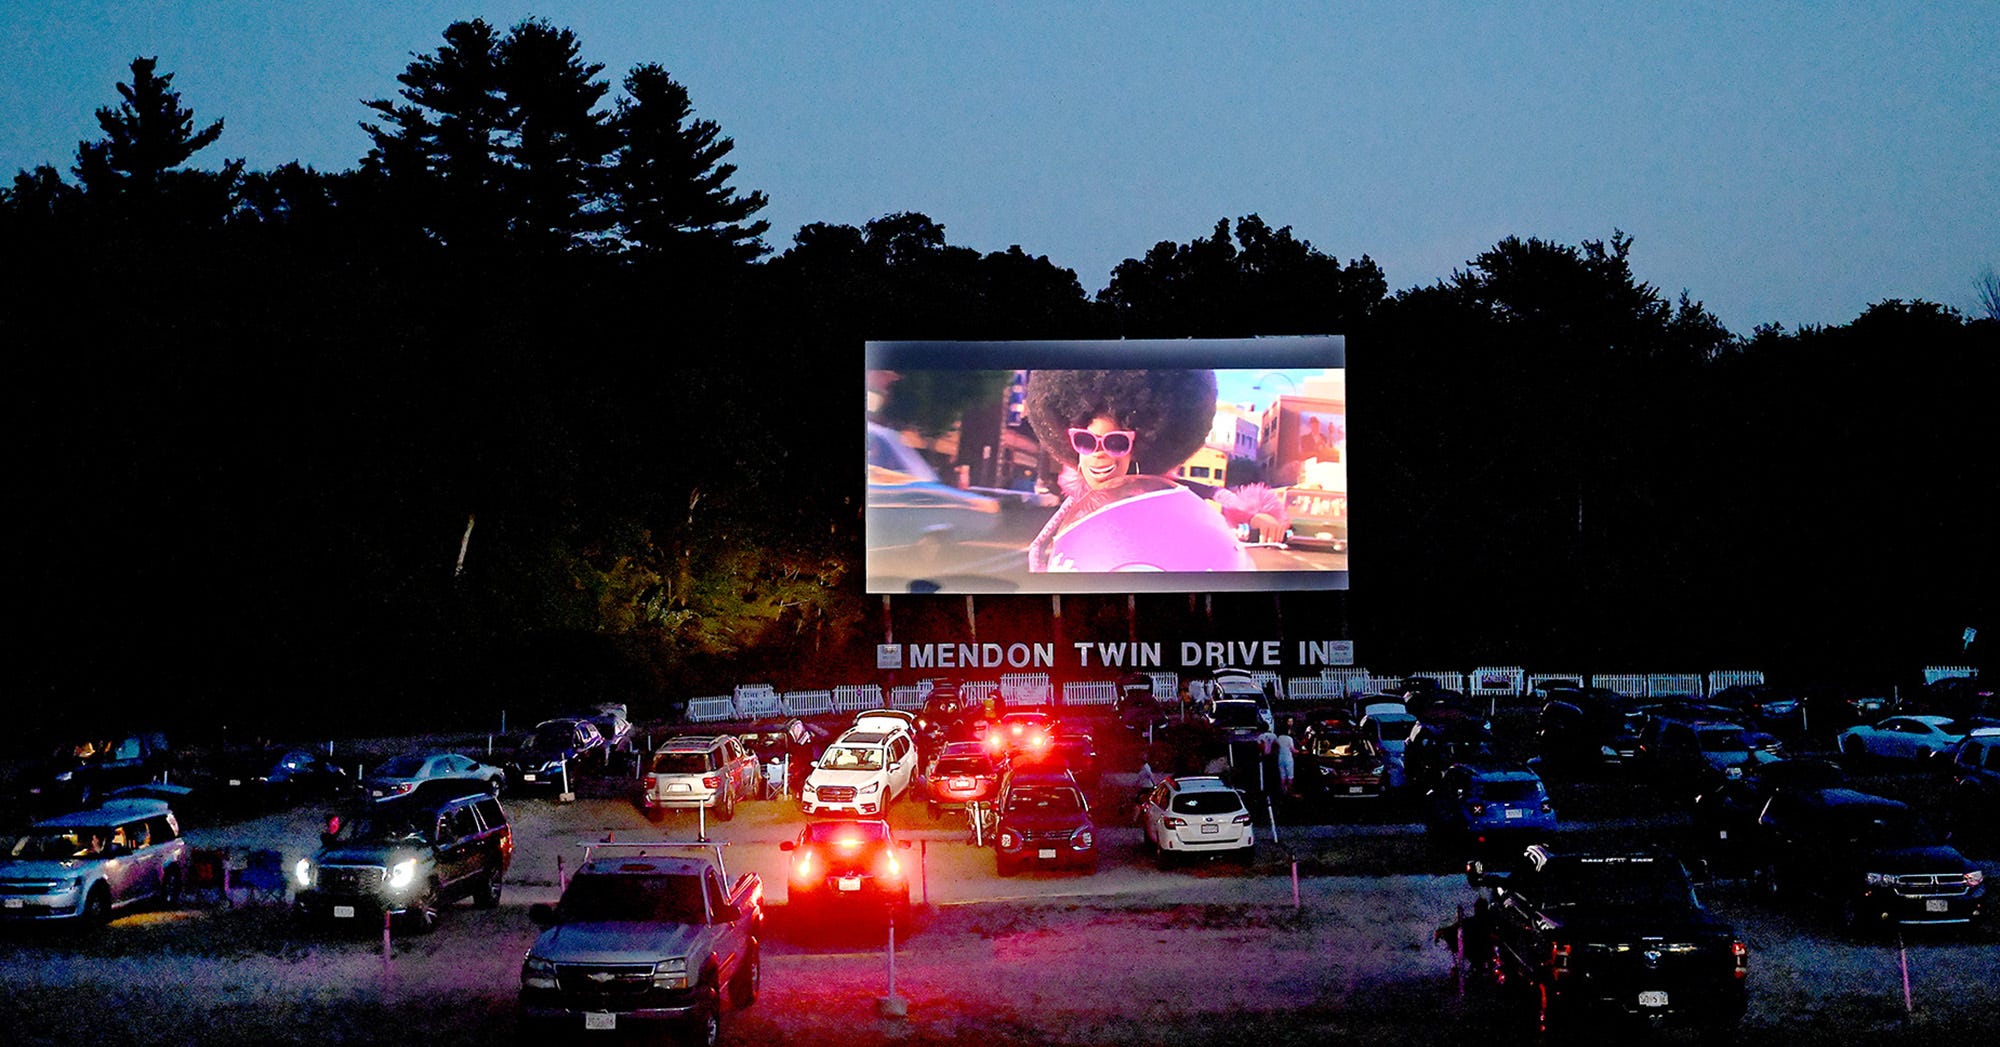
{"x": 646, "y": 935}
{"x": 1613, "y": 935}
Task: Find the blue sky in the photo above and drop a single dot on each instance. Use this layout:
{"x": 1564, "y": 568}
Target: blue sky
{"x": 1786, "y": 163}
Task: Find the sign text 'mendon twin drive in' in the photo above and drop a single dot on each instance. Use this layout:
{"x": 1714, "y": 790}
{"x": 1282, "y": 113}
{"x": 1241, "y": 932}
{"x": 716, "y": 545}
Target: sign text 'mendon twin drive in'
{"x": 1096, "y": 655}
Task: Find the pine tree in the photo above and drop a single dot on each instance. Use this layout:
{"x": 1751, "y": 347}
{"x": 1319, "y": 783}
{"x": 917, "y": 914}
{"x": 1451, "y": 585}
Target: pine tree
{"x": 670, "y": 182}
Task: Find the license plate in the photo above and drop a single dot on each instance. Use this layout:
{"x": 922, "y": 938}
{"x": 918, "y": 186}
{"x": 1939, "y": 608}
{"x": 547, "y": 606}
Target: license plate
{"x": 850, "y": 883}
{"x": 1354, "y": 790}
{"x": 1654, "y": 998}
{"x": 595, "y": 1020}
{"x": 1722, "y": 834}
{"x": 1515, "y": 814}
{"x": 379, "y": 794}
{"x": 1046, "y": 852}
{"x": 961, "y": 783}
{"x": 1211, "y": 828}
{"x": 678, "y": 787}
{"x": 343, "y": 912}
{"x": 1936, "y": 905}
{"x": 235, "y": 783}
{"x": 527, "y": 777}
{"x": 14, "y": 903}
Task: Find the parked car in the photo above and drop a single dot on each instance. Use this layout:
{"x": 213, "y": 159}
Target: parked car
{"x": 614, "y": 722}
{"x": 1688, "y": 757}
{"x": 1438, "y": 740}
{"x": 1611, "y": 935}
{"x": 1200, "y": 815}
{"x": 1922, "y": 738}
{"x": 77, "y": 773}
{"x": 1337, "y": 760}
{"x": 1828, "y": 709}
{"x": 1027, "y": 731}
{"x": 962, "y": 773}
{"x": 1475, "y": 806}
{"x": 1391, "y": 733}
{"x": 712, "y": 771}
{"x": 1239, "y": 719}
{"x": 847, "y": 864}
{"x": 907, "y": 506}
{"x": 1974, "y": 807}
{"x": 1760, "y": 705}
{"x": 402, "y": 774}
{"x": 86, "y": 865}
{"x": 408, "y": 857}
{"x": 273, "y": 776}
{"x": 558, "y": 751}
{"x": 1871, "y": 858}
{"x": 1138, "y": 707}
{"x": 1724, "y": 820}
{"x": 1758, "y": 740}
{"x": 1585, "y": 728}
{"x": 1043, "y": 820}
{"x": 1961, "y": 698}
{"x": 861, "y": 773}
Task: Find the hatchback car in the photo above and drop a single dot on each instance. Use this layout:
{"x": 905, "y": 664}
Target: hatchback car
{"x": 399, "y": 775}
{"x": 86, "y": 865}
{"x": 962, "y": 773}
{"x": 848, "y": 863}
{"x": 1201, "y": 815}
{"x": 1475, "y": 805}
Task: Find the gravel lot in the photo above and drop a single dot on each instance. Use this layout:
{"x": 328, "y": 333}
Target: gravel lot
{"x": 1208, "y": 955}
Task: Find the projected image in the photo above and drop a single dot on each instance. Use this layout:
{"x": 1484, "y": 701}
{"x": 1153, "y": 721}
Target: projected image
{"x": 1132, "y": 466}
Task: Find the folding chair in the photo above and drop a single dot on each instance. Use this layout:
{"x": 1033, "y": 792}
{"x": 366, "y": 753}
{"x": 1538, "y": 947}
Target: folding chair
{"x": 263, "y": 878}
{"x": 207, "y": 880}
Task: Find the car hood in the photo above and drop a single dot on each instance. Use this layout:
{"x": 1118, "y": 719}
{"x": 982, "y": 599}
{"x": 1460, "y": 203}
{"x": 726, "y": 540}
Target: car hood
{"x": 616, "y": 941}
{"x": 56, "y": 869}
{"x": 823, "y": 777}
{"x": 366, "y": 854}
{"x": 1903, "y": 860}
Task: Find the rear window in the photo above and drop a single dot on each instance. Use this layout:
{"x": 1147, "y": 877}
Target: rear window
{"x": 1510, "y": 790}
{"x": 680, "y": 763}
{"x": 962, "y": 765}
{"x": 1053, "y": 799}
{"x": 1212, "y": 802}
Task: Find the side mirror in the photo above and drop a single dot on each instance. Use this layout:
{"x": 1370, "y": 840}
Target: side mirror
{"x": 542, "y": 914}
{"x": 727, "y": 913}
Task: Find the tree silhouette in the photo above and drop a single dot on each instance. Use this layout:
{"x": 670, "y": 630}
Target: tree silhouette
{"x": 1265, "y": 281}
{"x": 145, "y": 136}
{"x": 439, "y": 149}
{"x": 557, "y": 141}
{"x": 670, "y": 182}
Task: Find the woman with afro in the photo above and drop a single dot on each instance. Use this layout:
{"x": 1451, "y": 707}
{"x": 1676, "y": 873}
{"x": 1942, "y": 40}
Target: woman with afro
{"x": 1117, "y": 432}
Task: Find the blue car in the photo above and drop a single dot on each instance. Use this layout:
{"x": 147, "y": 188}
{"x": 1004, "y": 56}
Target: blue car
{"x": 1475, "y": 805}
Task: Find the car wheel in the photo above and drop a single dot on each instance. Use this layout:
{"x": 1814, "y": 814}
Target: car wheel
{"x": 1855, "y": 751}
{"x": 97, "y": 907}
{"x": 726, "y": 810}
{"x": 705, "y": 1028}
{"x": 1163, "y": 858}
{"x": 749, "y": 978}
{"x": 487, "y": 894}
{"x": 1002, "y": 866}
{"x": 170, "y": 888}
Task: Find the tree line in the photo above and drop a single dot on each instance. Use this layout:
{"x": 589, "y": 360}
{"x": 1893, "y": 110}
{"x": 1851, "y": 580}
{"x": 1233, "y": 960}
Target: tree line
{"x": 262, "y": 411}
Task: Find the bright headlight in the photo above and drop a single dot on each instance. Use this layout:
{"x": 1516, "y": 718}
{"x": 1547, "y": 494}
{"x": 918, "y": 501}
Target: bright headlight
{"x": 673, "y": 974}
{"x": 1876, "y": 879}
{"x": 537, "y": 973}
{"x": 401, "y": 873}
{"x": 869, "y": 790}
{"x": 303, "y": 872}
{"x": 1975, "y": 877}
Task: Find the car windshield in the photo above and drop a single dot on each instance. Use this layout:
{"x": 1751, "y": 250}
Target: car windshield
{"x": 680, "y": 763}
{"x": 1651, "y": 885}
{"x": 1048, "y": 799}
{"x": 852, "y": 758}
{"x": 1339, "y": 745}
{"x": 650, "y": 899}
{"x": 948, "y": 765}
{"x": 401, "y": 767}
{"x": 57, "y": 844}
{"x": 552, "y": 736}
{"x": 1885, "y": 829}
{"x": 1237, "y": 714}
{"x": 1214, "y": 801}
{"x": 382, "y": 827}
{"x": 1510, "y": 790}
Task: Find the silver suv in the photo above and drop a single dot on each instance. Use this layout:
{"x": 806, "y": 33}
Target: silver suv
{"x": 88, "y": 864}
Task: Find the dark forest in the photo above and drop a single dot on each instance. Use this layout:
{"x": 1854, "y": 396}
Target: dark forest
{"x": 261, "y": 411}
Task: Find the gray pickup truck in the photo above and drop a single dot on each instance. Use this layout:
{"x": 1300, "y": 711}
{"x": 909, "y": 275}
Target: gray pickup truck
{"x": 645, "y": 935}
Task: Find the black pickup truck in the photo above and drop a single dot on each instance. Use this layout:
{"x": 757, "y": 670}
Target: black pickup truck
{"x": 1611, "y": 935}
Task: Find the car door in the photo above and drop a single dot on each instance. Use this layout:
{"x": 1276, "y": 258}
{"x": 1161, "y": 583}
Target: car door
{"x": 457, "y": 844}
{"x": 902, "y": 757}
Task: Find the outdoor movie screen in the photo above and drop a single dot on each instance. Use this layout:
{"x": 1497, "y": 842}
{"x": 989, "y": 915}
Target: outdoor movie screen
{"x": 1158, "y": 466}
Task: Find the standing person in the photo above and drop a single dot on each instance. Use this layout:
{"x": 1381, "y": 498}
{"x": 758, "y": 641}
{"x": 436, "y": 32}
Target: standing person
{"x": 1187, "y": 702}
{"x": 1287, "y": 765}
{"x": 1267, "y": 748}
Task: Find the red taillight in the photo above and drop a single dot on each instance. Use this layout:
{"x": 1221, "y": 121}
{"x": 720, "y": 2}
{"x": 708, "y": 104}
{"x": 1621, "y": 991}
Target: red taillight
{"x": 1172, "y": 822}
{"x": 709, "y": 781}
{"x": 802, "y": 865}
{"x": 891, "y": 869}
{"x": 1559, "y": 959}
{"x": 1242, "y": 819}
{"x": 1742, "y": 954}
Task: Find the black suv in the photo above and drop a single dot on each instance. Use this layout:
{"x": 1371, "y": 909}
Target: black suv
{"x": 408, "y": 857}
{"x": 1588, "y": 727}
{"x": 1043, "y": 820}
{"x": 1869, "y": 856}
{"x": 1615, "y": 934}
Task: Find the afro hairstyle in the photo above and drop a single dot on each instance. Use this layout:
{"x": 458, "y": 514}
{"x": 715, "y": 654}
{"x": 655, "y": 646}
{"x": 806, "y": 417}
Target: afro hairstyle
{"x": 1169, "y": 412}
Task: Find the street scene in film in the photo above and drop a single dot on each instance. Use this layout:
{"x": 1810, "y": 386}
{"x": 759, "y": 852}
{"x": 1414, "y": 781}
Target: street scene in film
{"x": 458, "y": 604}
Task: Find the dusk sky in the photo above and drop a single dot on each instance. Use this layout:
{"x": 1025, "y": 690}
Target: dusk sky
{"x": 1786, "y": 163}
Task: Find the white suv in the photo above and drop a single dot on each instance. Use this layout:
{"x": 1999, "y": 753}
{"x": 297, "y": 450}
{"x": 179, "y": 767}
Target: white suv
{"x": 863, "y": 771}
{"x": 1189, "y": 816}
